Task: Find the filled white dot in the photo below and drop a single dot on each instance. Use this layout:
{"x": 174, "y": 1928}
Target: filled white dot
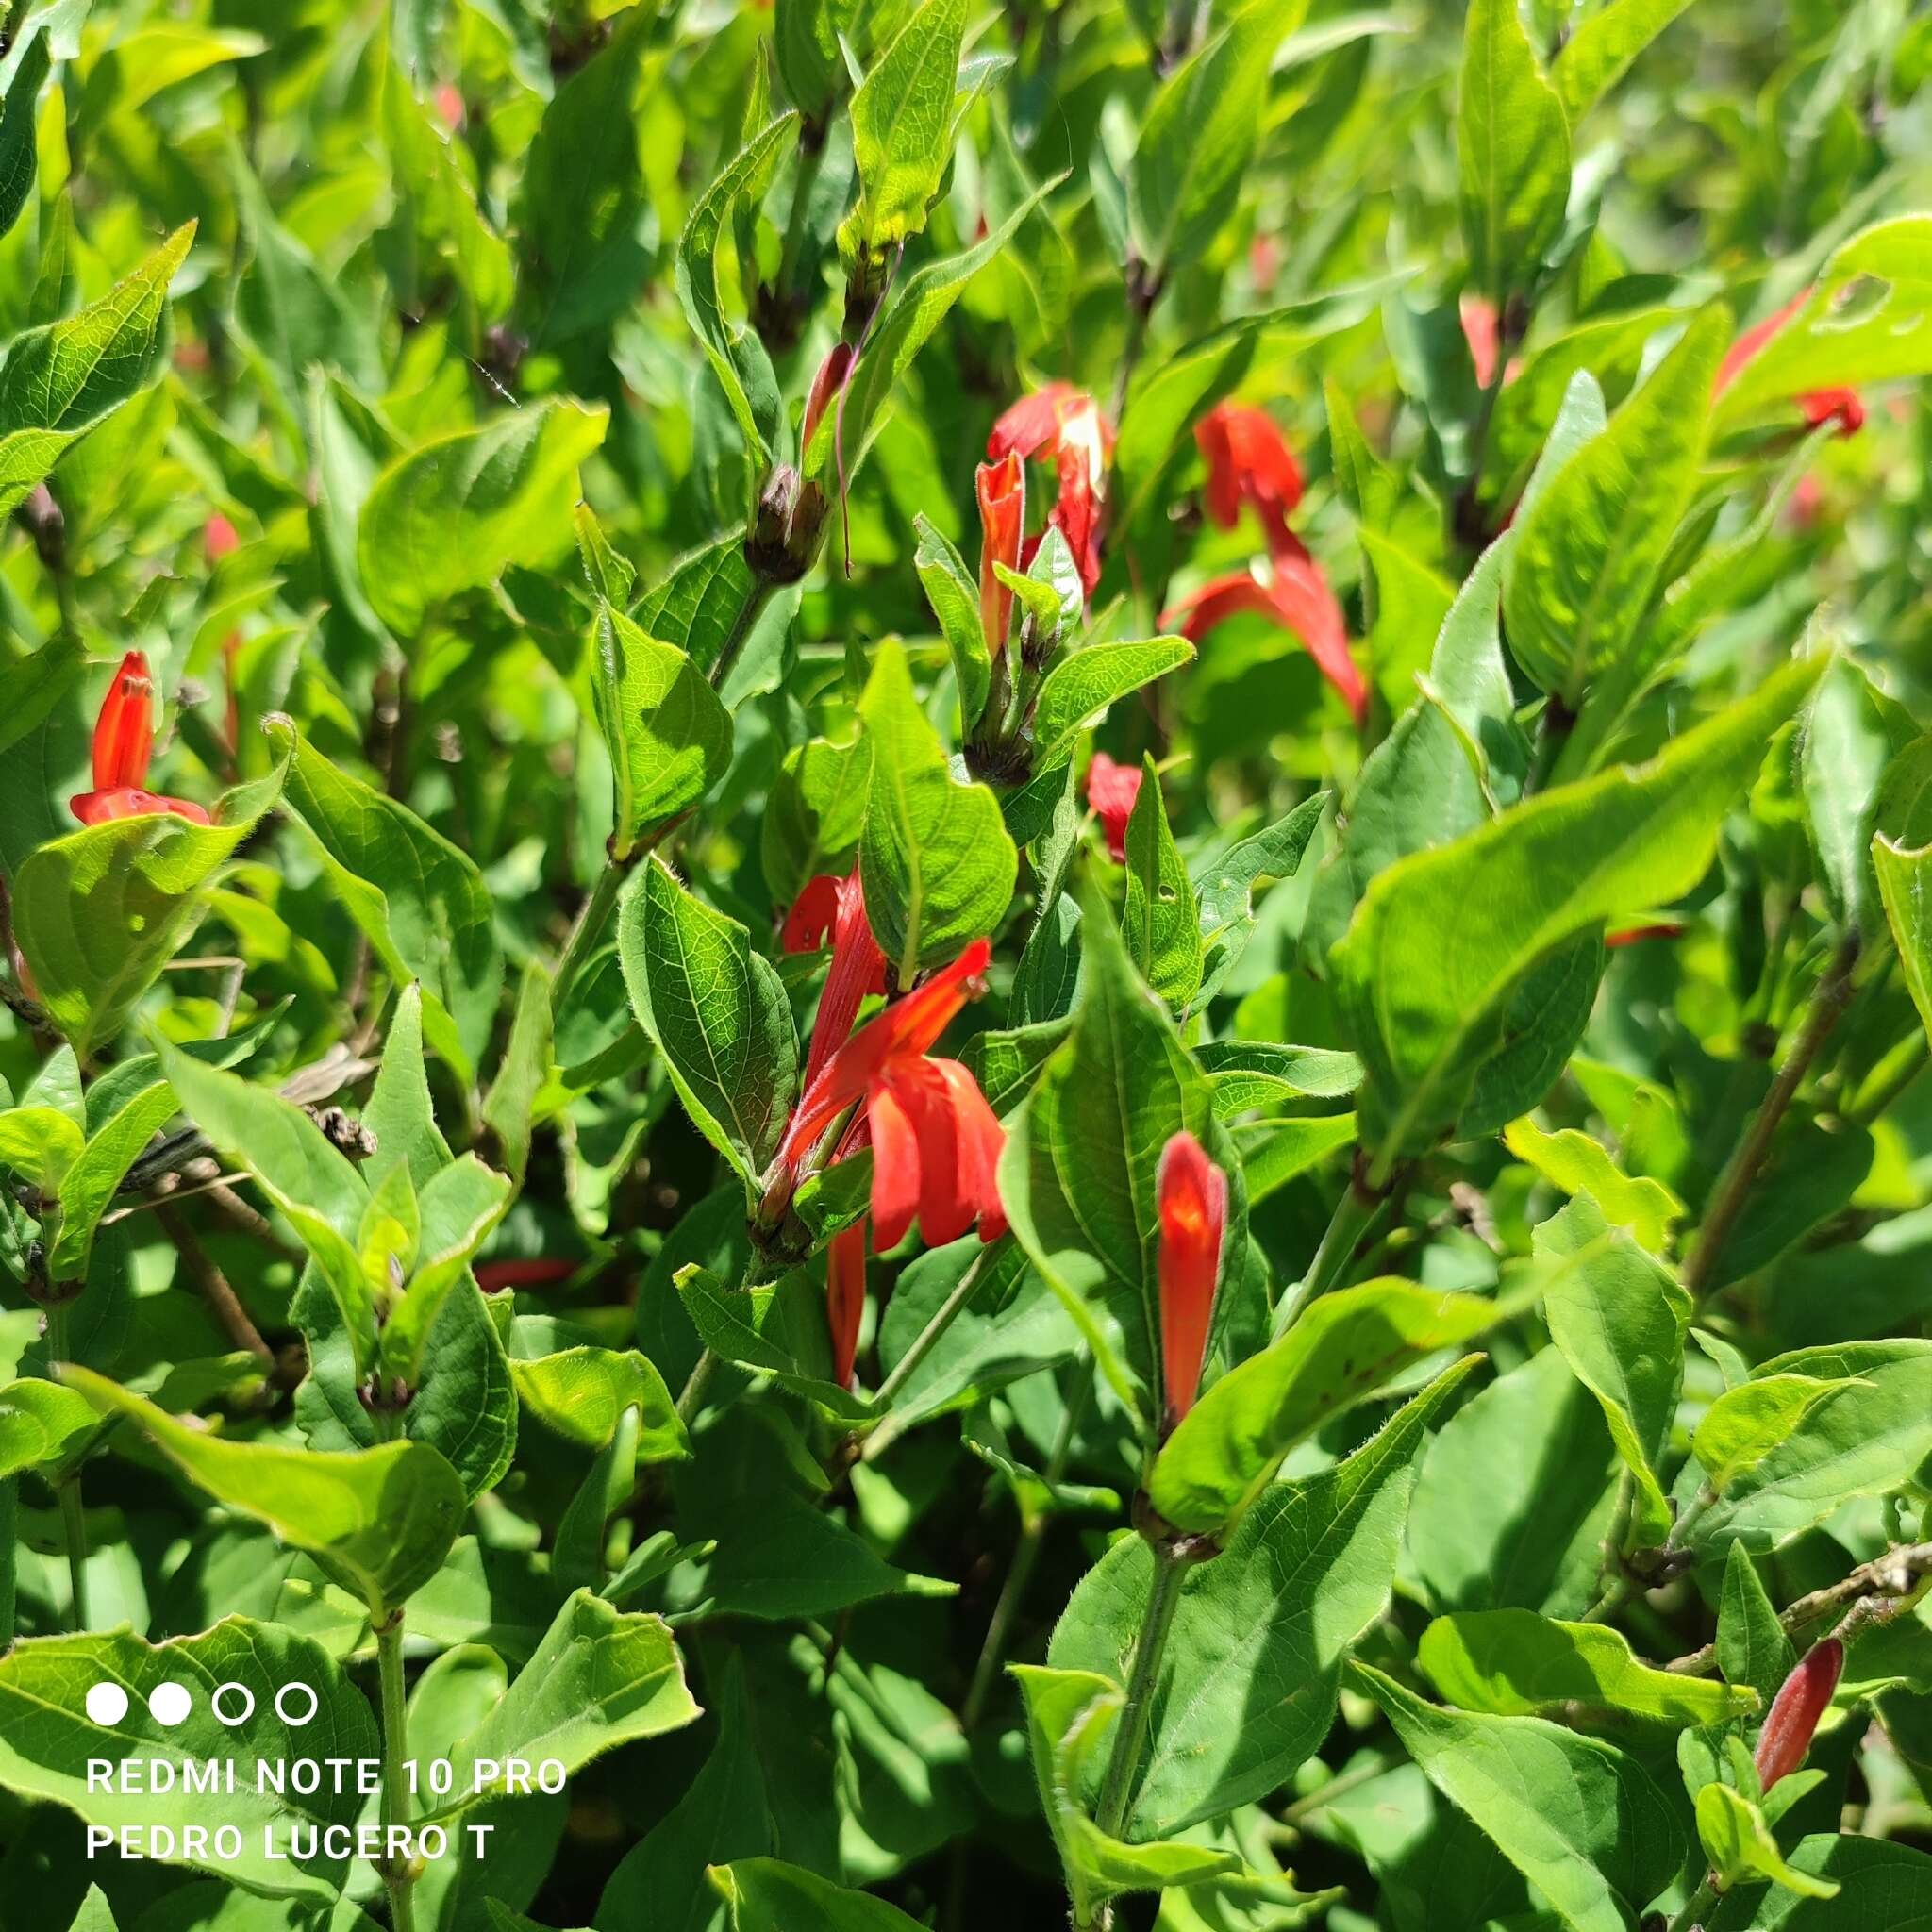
{"x": 170, "y": 1703}
{"x": 107, "y": 1703}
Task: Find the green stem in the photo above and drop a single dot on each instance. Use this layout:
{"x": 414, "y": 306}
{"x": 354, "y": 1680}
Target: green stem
{"x": 1144, "y": 291}
{"x": 73, "y": 1513}
{"x": 812, "y": 158}
{"x": 1734, "y": 1185}
{"x": 748, "y": 615}
{"x": 695, "y": 1384}
{"x": 586, "y": 929}
{"x": 9, "y": 1550}
{"x": 396, "y": 1751}
{"x": 1157, "y": 1622}
{"x": 1698, "y": 1905}
{"x": 928, "y": 1338}
{"x": 1025, "y": 1555}
{"x": 1340, "y": 1240}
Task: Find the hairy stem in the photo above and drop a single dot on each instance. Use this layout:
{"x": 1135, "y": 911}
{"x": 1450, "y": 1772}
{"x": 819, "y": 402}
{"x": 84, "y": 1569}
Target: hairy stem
{"x": 396, "y": 1877}
{"x": 1357, "y": 1207}
{"x": 1700, "y": 1901}
{"x": 1025, "y": 1555}
{"x": 748, "y": 615}
{"x": 585, "y": 929}
{"x": 1734, "y": 1185}
{"x": 695, "y": 1384}
{"x": 1163, "y": 1599}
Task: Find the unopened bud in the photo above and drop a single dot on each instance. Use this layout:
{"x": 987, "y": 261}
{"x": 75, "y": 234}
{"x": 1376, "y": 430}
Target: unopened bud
{"x": 1794, "y": 1713}
{"x": 784, "y": 536}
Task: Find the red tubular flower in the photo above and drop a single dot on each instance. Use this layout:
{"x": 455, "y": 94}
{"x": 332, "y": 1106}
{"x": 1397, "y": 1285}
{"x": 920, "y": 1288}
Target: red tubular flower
{"x": 1112, "y": 790}
{"x": 1795, "y": 1710}
{"x": 1194, "y": 1218}
{"x": 845, "y": 1297}
{"x": 935, "y": 1150}
{"x": 1248, "y": 461}
{"x": 827, "y": 383}
{"x": 1818, "y": 404}
{"x": 1297, "y": 597}
{"x": 219, "y": 538}
{"x": 1480, "y": 331}
{"x": 835, "y": 907}
{"x": 123, "y": 743}
{"x": 1001, "y": 489}
{"x": 1636, "y": 934}
{"x": 1065, "y": 424}
{"x": 935, "y": 1140}
{"x": 1032, "y": 423}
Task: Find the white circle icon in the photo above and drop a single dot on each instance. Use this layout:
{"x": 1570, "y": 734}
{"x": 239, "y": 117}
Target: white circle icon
{"x": 241, "y": 1716}
{"x": 295, "y": 1723}
{"x": 169, "y": 1703}
{"x": 107, "y": 1703}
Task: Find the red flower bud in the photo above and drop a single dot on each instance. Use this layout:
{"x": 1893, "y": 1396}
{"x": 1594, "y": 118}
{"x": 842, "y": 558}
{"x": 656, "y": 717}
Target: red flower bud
{"x": 845, "y": 1298}
{"x": 1112, "y": 790}
{"x": 1248, "y": 461}
{"x": 1194, "y": 1218}
{"x": 219, "y": 538}
{"x": 1795, "y": 1710}
{"x": 122, "y": 746}
{"x": 829, "y": 380}
{"x": 1001, "y": 489}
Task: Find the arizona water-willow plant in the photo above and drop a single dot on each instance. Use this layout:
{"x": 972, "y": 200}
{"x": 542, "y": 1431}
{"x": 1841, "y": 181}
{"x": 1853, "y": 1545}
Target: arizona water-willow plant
{"x": 965, "y": 966}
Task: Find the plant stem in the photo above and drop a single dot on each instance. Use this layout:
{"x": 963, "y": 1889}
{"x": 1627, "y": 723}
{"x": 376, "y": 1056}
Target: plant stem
{"x": 73, "y": 1515}
{"x": 748, "y": 615}
{"x": 812, "y": 158}
{"x": 695, "y": 1384}
{"x": 1338, "y": 1244}
{"x": 928, "y": 1338}
{"x": 1144, "y": 291}
{"x": 585, "y": 929}
{"x": 1734, "y": 1185}
{"x": 1700, "y": 1901}
{"x": 1025, "y": 1555}
{"x": 1163, "y": 1599}
{"x": 9, "y": 1552}
{"x": 397, "y": 1878}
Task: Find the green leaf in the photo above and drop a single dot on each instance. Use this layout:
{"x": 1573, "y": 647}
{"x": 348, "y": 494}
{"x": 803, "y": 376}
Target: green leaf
{"x": 1253, "y": 1661}
{"x": 1068, "y": 1715}
{"x": 716, "y": 1011}
{"x": 1905, "y": 890}
{"x": 588, "y": 228}
{"x": 378, "y": 1520}
{"x": 302, "y": 1173}
{"x": 905, "y": 329}
{"x": 1514, "y": 1663}
{"x": 600, "y": 1678}
{"x": 1424, "y": 1017}
{"x": 48, "y": 1743}
{"x": 1082, "y": 685}
{"x": 1516, "y": 1496}
{"x": 400, "y": 1112}
{"x": 935, "y": 858}
{"x": 804, "y": 43}
{"x": 1849, "y": 736}
{"x": 61, "y": 379}
{"x": 1162, "y": 923}
{"x": 1752, "y": 1648}
{"x": 1228, "y": 1446}
{"x": 582, "y": 1394}
{"x": 1746, "y": 1423}
{"x": 1250, "y": 1073}
{"x": 1868, "y": 319}
{"x": 89, "y": 1186}
{"x": 43, "y": 1426}
{"x": 33, "y": 685}
{"x": 1740, "y": 1848}
{"x": 1589, "y": 550}
{"x": 764, "y": 1895}
{"x": 725, "y": 345}
{"x": 815, "y": 814}
{"x": 18, "y": 151}
{"x": 1601, "y": 47}
{"x": 1570, "y": 1160}
{"x": 902, "y": 124}
{"x": 1586, "y": 1825}
{"x": 1224, "y": 884}
{"x": 40, "y": 1144}
{"x": 953, "y": 592}
{"x": 1199, "y": 135}
{"x": 1079, "y": 1175}
{"x": 1869, "y": 1440}
{"x": 419, "y": 899}
{"x": 509, "y": 1106}
{"x": 1620, "y": 1318}
{"x": 1514, "y": 145}
{"x": 777, "y": 1330}
{"x": 100, "y": 913}
{"x": 460, "y": 1205}
{"x": 668, "y": 733}
{"x": 454, "y": 513}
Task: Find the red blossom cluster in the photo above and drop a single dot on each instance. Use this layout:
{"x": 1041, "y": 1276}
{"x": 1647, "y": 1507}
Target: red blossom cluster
{"x": 1065, "y": 425}
{"x": 936, "y": 1145}
{"x": 1250, "y": 463}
